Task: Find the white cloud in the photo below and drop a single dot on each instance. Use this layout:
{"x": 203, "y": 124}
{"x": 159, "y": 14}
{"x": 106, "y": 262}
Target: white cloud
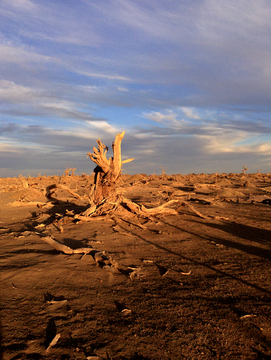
{"x": 190, "y": 113}
{"x": 103, "y": 76}
{"x": 227, "y": 137}
{"x": 229, "y": 140}
{"x": 89, "y": 88}
{"x": 104, "y": 126}
{"x": 123, "y": 89}
{"x": 220, "y": 141}
{"x": 264, "y": 148}
{"x": 168, "y": 119}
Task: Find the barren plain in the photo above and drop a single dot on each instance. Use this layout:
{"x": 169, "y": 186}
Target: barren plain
{"x": 191, "y": 285}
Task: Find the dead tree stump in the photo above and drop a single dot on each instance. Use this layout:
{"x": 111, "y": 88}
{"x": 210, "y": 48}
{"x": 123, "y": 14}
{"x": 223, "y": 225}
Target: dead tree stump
{"x": 107, "y": 171}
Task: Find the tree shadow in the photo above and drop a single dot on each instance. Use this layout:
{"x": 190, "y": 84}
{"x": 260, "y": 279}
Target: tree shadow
{"x": 244, "y": 232}
{"x": 196, "y": 262}
{"x": 72, "y": 243}
{"x": 29, "y": 251}
{"x": 59, "y": 208}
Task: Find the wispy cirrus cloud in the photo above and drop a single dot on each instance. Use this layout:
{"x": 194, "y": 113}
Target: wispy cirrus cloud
{"x": 103, "y": 76}
{"x": 21, "y": 55}
{"x": 43, "y": 103}
{"x": 15, "y": 93}
{"x": 30, "y": 149}
{"x": 73, "y": 139}
{"x": 22, "y": 5}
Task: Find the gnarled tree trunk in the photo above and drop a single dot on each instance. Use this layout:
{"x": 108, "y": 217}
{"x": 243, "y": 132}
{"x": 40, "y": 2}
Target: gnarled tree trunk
{"x": 107, "y": 171}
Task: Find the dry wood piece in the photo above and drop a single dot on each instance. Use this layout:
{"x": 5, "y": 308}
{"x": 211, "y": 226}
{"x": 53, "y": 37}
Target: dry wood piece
{"x": 141, "y": 210}
{"x": 51, "y": 189}
{"x": 89, "y": 218}
{"x": 186, "y": 273}
{"x": 190, "y": 207}
{"x": 53, "y": 342}
{"x": 56, "y": 245}
{"x": 29, "y": 203}
{"x": 64, "y": 248}
{"x": 161, "y": 209}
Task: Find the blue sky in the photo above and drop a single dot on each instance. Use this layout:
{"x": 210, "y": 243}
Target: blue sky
{"x": 189, "y": 81}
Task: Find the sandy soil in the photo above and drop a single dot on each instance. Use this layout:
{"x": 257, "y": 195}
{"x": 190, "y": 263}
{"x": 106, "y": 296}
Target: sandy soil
{"x": 169, "y": 287}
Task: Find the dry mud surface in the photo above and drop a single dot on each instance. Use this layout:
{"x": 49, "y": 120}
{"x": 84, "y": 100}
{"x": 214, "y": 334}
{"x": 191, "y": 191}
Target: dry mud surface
{"x": 165, "y": 287}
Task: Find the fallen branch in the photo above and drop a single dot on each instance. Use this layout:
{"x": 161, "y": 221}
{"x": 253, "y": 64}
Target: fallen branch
{"x": 161, "y": 209}
{"x": 39, "y": 204}
{"x": 143, "y": 211}
{"x": 51, "y": 189}
{"x": 64, "y": 248}
{"x": 190, "y": 207}
{"x": 90, "y": 218}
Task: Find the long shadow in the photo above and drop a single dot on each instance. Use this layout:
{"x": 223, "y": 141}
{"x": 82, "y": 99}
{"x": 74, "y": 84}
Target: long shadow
{"x": 55, "y": 212}
{"x": 249, "y": 249}
{"x": 244, "y": 232}
{"x": 28, "y": 251}
{"x": 74, "y": 244}
{"x": 59, "y": 207}
{"x": 69, "y": 242}
{"x": 19, "y": 265}
{"x": 196, "y": 262}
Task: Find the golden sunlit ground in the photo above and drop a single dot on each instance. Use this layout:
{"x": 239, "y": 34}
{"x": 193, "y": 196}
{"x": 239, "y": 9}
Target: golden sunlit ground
{"x": 181, "y": 286}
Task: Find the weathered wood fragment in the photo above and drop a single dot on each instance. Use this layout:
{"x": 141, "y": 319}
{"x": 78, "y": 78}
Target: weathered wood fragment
{"x": 64, "y": 248}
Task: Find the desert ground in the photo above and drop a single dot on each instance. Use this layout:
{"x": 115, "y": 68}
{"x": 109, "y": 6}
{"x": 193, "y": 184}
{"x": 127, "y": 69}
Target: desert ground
{"x": 191, "y": 284}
